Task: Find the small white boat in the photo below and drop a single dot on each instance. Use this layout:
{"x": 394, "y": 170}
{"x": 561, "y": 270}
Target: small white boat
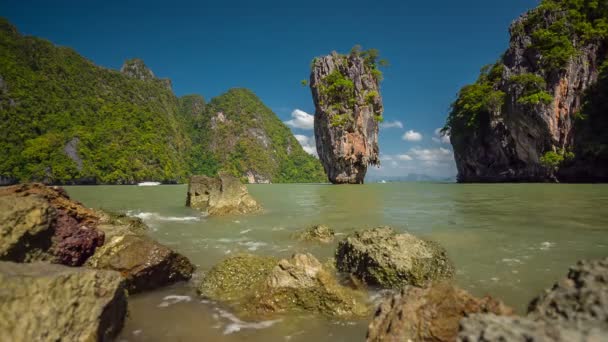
{"x": 382, "y": 182}
{"x": 148, "y": 183}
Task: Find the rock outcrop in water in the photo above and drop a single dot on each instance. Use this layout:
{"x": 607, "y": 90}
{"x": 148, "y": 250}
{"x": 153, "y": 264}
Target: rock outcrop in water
{"x": 257, "y": 285}
{"x": 320, "y": 233}
{"x": 539, "y": 113}
{"x": 428, "y": 314}
{"x": 381, "y": 257}
{"x": 574, "y": 309}
{"x": 222, "y": 195}
{"x": 40, "y": 223}
{"x": 145, "y": 263}
{"x": 46, "y": 302}
{"x": 348, "y": 109}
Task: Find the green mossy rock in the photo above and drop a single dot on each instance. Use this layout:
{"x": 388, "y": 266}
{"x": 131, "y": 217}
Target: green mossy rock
{"x": 320, "y": 233}
{"x": 221, "y": 195}
{"x": 257, "y": 285}
{"x": 48, "y": 302}
{"x": 381, "y": 257}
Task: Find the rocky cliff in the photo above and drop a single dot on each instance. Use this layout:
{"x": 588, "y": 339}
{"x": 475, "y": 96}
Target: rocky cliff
{"x": 348, "y": 109}
{"x": 64, "y": 120}
{"x": 534, "y": 116}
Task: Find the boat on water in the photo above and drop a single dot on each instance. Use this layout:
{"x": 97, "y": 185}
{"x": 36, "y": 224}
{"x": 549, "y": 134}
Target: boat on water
{"x": 148, "y": 183}
{"x": 382, "y": 182}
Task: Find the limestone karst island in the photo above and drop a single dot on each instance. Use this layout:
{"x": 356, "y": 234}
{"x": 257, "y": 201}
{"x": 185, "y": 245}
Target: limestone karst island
{"x": 399, "y": 171}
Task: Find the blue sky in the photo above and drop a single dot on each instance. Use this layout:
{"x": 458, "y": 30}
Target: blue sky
{"x": 207, "y": 47}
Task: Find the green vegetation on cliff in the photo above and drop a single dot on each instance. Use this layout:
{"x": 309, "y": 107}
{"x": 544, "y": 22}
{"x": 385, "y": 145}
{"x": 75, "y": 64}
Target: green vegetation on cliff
{"x": 65, "y": 120}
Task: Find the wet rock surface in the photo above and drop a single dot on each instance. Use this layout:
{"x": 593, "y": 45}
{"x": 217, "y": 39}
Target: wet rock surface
{"x": 574, "y": 309}
{"x": 48, "y": 302}
{"x": 222, "y": 195}
{"x": 145, "y": 263}
{"x": 381, "y": 257}
{"x": 348, "y": 109}
{"x": 43, "y": 223}
{"x": 319, "y": 233}
{"x": 257, "y": 286}
{"x": 428, "y": 314}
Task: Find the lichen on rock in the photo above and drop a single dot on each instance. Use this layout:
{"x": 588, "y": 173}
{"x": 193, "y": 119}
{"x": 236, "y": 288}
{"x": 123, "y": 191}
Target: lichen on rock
{"x": 222, "y": 195}
{"x": 348, "y": 109}
{"x": 381, "y": 257}
{"x": 257, "y": 285}
{"x": 47, "y": 302}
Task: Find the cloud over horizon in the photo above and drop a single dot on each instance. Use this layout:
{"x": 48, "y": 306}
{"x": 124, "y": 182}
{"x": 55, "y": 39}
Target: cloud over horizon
{"x": 440, "y": 137}
{"x": 307, "y": 143}
{"x": 301, "y": 119}
{"x": 412, "y": 135}
{"x": 391, "y": 124}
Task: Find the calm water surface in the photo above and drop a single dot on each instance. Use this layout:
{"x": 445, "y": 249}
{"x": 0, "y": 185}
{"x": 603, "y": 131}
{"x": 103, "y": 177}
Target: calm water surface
{"x": 509, "y": 241}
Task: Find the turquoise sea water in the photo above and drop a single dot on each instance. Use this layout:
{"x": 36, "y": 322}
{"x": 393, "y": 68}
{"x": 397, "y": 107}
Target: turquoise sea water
{"x": 506, "y": 240}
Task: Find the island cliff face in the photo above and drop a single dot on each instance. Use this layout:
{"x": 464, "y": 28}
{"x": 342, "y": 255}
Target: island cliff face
{"x": 535, "y": 115}
{"x": 348, "y": 109}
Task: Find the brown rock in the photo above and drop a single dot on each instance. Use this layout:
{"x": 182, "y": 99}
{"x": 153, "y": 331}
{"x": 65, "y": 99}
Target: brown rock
{"x": 222, "y": 195}
{"x": 428, "y": 314}
{"x": 348, "y": 108}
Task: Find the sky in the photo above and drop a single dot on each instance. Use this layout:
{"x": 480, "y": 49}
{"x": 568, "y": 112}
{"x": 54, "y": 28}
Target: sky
{"x": 208, "y": 47}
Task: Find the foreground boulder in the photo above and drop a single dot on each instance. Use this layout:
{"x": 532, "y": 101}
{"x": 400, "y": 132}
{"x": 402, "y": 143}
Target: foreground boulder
{"x": 47, "y": 302}
{"x": 428, "y": 314}
{"x": 42, "y": 223}
{"x": 258, "y": 285}
{"x": 348, "y": 110}
{"x": 145, "y": 263}
{"x": 574, "y": 309}
{"x": 380, "y": 257}
{"x": 222, "y": 195}
{"x": 320, "y": 233}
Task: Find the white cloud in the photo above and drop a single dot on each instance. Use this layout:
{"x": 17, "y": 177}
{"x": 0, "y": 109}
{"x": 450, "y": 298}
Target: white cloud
{"x": 391, "y": 124}
{"x": 307, "y": 143}
{"x": 434, "y": 162}
{"x": 384, "y": 157}
{"x": 301, "y": 119}
{"x": 412, "y": 135}
{"x": 431, "y": 154}
{"x": 440, "y": 137}
{"x": 404, "y": 157}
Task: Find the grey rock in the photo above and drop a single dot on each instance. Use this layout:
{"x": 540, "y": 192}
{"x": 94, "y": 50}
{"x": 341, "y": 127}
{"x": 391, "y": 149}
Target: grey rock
{"x": 346, "y": 129}
{"x": 47, "y": 302}
{"x": 380, "y": 257}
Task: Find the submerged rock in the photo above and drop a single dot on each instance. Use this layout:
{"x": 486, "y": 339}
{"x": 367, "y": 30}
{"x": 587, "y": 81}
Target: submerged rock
{"x": 43, "y": 223}
{"x": 348, "y": 109}
{"x": 574, "y": 309}
{"x": 46, "y": 302}
{"x": 380, "y": 257}
{"x": 264, "y": 285}
{"x": 222, "y": 195}
{"x": 320, "y": 233}
{"x": 428, "y": 314}
{"x": 145, "y": 263}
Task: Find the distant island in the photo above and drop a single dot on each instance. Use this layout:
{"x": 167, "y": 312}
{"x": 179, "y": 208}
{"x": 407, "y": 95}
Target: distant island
{"x": 68, "y": 121}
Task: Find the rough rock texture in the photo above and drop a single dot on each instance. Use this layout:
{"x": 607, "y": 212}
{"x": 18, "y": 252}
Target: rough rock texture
{"x": 346, "y": 117}
{"x": 320, "y": 233}
{"x": 380, "y": 257}
{"x": 491, "y": 328}
{"x": 574, "y": 309}
{"x": 428, "y": 314}
{"x": 42, "y": 223}
{"x": 222, "y": 195}
{"x": 263, "y": 285}
{"x": 580, "y": 298}
{"x": 145, "y": 263}
{"x": 136, "y": 68}
{"x": 46, "y": 302}
{"x": 510, "y": 139}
